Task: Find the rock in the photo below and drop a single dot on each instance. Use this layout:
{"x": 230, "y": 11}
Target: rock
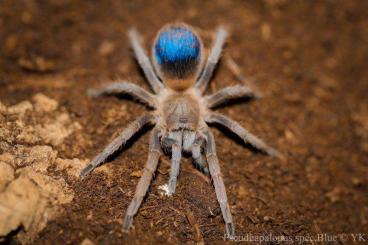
{"x": 72, "y": 166}
{"x": 20, "y": 108}
{"x": 55, "y": 132}
{"x": 7, "y": 158}
{"x": 30, "y": 201}
{"x": 30, "y": 196}
{"x": 28, "y": 134}
{"x": 44, "y": 103}
{"x": 41, "y": 157}
{"x": 6, "y": 174}
{"x": 55, "y": 190}
{"x": 19, "y": 203}
{"x": 51, "y": 127}
{"x": 86, "y": 241}
{"x": 3, "y": 108}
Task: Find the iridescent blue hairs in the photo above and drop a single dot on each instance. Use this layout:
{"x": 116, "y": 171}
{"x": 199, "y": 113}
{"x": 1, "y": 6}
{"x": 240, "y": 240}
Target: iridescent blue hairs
{"x": 177, "y": 51}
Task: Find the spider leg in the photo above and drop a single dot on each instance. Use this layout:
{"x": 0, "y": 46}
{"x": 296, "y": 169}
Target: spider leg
{"x": 246, "y": 136}
{"x": 213, "y": 58}
{"x": 197, "y": 156}
{"x": 145, "y": 181}
{"x": 176, "y": 149}
{"x": 123, "y": 137}
{"x": 229, "y": 93}
{"x": 124, "y": 88}
{"x": 218, "y": 182}
{"x": 144, "y": 62}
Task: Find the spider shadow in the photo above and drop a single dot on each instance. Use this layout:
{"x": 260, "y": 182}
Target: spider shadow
{"x": 228, "y": 132}
{"x": 127, "y": 97}
{"x": 141, "y": 72}
{"x": 235, "y": 101}
{"x": 129, "y": 143}
{"x": 236, "y": 138}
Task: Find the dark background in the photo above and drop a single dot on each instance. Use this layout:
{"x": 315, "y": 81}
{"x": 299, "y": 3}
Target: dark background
{"x": 308, "y": 57}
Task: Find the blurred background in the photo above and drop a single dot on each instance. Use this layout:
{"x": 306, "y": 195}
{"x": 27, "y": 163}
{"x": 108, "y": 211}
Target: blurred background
{"x": 309, "y": 58}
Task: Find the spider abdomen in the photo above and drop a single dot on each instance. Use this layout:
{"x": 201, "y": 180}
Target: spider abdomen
{"x": 177, "y": 53}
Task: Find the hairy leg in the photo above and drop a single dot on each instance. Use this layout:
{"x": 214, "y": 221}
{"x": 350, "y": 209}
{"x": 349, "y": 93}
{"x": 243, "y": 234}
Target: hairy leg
{"x": 229, "y": 93}
{"x": 213, "y": 58}
{"x": 124, "y": 88}
{"x": 145, "y": 181}
{"x": 218, "y": 182}
{"x": 246, "y": 136}
{"x": 144, "y": 62}
{"x": 176, "y": 149}
{"x": 123, "y": 137}
{"x": 197, "y": 156}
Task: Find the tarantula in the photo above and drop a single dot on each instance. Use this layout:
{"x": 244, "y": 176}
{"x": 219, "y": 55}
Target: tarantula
{"x": 178, "y": 77}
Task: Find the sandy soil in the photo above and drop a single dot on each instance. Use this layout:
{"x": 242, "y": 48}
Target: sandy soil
{"x": 308, "y": 57}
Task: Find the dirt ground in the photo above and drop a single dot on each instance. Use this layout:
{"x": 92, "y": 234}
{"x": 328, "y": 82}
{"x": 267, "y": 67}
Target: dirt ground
{"x": 308, "y": 57}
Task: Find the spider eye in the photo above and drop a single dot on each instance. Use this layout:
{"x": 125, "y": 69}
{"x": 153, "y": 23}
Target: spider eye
{"x": 177, "y": 51}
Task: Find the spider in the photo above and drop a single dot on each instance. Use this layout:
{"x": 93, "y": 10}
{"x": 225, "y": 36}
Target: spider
{"x": 178, "y": 77}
